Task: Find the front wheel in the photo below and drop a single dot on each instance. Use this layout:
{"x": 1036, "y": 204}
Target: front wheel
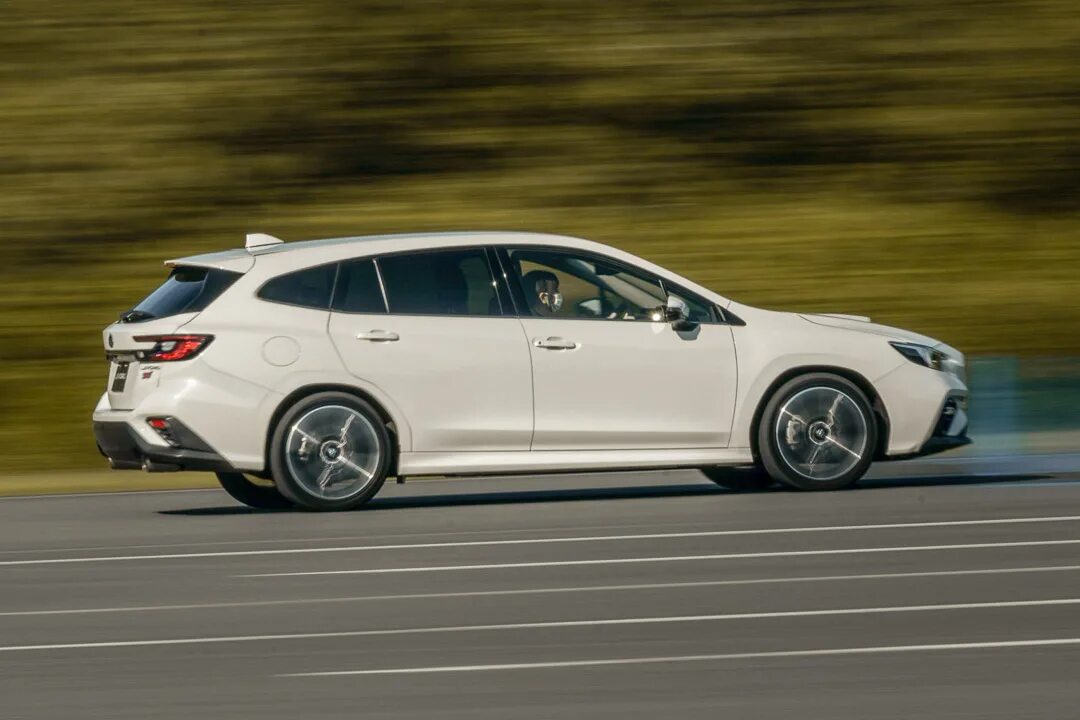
{"x": 330, "y": 451}
{"x": 818, "y": 432}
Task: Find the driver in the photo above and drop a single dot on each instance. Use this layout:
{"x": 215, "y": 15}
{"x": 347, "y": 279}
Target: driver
{"x": 542, "y": 292}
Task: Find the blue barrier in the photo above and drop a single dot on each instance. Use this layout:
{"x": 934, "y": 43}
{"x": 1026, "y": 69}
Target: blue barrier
{"x": 1021, "y": 405}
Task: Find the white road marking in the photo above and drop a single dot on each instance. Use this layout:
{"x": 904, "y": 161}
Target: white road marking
{"x": 546, "y": 541}
{"x": 538, "y": 591}
{"x": 545, "y": 625}
{"x": 340, "y": 538}
{"x": 880, "y": 650}
{"x": 665, "y": 559}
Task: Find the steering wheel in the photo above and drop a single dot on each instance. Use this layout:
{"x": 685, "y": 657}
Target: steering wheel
{"x": 595, "y": 307}
{"x": 621, "y": 311}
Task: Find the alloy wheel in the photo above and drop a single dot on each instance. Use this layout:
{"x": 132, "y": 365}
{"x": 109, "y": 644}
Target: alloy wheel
{"x": 333, "y": 452}
{"x": 821, "y": 433}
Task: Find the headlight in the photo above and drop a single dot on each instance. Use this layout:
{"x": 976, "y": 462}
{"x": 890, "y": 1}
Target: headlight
{"x": 922, "y": 355}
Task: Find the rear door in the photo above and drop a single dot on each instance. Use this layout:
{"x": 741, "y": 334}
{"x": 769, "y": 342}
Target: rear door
{"x": 428, "y": 329}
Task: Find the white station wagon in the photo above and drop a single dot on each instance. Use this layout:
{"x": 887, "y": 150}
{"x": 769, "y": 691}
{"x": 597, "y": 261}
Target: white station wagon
{"x": 307, "y": 373}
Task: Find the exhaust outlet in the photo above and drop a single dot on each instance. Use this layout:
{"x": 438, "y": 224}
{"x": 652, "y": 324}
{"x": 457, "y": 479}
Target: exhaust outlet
{"x": 156, "y": 467}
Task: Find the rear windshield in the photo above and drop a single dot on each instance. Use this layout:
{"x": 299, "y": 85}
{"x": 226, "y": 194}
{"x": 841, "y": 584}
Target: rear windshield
{"x": 188, "y": 289}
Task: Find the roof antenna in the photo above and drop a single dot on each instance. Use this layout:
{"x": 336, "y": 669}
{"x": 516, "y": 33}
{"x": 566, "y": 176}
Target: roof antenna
{"x": 256, "y": 240}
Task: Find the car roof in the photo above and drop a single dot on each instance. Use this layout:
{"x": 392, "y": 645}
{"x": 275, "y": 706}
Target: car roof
{"x": 303, "y": 252}
{"x": 417, "y": 241}
{"x": 280, "y": 257}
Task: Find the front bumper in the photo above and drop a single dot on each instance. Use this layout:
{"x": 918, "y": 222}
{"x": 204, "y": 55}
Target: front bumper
{"x": 126, "y": 450}
{"x": 915, "y": 401}
{"x": 951, "y": 429}
{"x": 937, "y": 445}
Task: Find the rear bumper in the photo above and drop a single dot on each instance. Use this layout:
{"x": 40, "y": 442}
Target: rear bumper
{"x": 126, "y": 450}
{"x": 229, "y": 414}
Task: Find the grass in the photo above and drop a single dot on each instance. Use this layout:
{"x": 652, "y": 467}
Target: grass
{"x": 96, "y": 481}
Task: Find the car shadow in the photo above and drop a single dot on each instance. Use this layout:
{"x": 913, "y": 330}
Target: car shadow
{"x": 512, "y": 497}
{"x": 223, "y": 510}
{"x": 946, "y": 480}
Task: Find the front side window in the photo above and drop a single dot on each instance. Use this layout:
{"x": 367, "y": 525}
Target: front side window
{"x": 309, "y": 288}
{"x": 440, "y": 282}
{"x": 562, "y": 284}
{"x": 701, "y": 311}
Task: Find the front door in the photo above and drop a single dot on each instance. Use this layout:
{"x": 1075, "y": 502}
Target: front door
{"x": 458, "y": 370}
{"x": 608, "y": 371}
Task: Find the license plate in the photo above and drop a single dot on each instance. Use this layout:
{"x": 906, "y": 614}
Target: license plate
{"x": 120, "y": 378}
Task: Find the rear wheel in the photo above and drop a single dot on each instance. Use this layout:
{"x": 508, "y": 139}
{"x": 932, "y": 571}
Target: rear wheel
{"x": 242, "y": 489}
{"x": 818, "y": 432}
{"x": 330, "y": 451}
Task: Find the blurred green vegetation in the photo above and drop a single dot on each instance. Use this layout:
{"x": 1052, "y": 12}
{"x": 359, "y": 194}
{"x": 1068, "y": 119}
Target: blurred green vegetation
{"x": 914, "y": 160}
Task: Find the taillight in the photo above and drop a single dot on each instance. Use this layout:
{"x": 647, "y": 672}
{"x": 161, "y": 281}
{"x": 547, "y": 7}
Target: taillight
{"x": 170, "y": 348}
{"x": 164, "y": 429}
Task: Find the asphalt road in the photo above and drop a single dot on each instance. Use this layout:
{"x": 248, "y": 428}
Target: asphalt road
{"x": 621, "y": 596}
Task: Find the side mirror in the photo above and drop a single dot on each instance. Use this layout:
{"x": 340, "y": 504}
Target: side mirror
{"x": 677, "y": 312}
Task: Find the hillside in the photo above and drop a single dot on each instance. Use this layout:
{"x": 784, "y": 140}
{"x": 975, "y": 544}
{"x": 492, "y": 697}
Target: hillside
{"x": 912, "y": 160}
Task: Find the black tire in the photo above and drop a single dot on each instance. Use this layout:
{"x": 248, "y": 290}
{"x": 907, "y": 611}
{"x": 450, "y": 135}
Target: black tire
{"x": 291, "y": 468}
{"x": 785, "y": 436}
{"x": 739, "y": 479}
{"x": 242, "y": 489}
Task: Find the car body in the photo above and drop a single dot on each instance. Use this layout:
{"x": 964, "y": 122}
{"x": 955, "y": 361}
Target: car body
{"x": 499, "y": 352}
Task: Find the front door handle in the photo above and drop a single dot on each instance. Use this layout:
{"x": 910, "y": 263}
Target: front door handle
{"x": 555, "y": 343}
{"x": 378, "y": 336}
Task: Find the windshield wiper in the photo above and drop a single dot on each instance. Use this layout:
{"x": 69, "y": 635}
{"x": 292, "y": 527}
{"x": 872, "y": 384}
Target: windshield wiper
{"x": 136, "y": 316}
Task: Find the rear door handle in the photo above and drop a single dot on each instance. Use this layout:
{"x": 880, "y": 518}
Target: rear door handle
{"x": 555, "y": 343}
{"x": 378, "y": 336}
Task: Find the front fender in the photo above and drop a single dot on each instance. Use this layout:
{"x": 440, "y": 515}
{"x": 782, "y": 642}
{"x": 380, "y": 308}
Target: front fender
{"x": 775, "y": 346}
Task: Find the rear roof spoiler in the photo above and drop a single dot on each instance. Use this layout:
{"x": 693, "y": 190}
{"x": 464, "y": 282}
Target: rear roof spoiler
{"x": 259, "y": 240}
{"x": 238, "y": 260}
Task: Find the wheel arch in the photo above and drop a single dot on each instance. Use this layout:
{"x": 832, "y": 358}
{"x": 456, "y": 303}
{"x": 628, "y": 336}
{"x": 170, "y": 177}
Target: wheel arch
{"x": 307, "y": 390}
{"x": 881, "y": 413}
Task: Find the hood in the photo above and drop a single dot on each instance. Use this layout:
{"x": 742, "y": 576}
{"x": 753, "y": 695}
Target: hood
{"x": 956, "y": 360}
{"x": 864, "y": 325}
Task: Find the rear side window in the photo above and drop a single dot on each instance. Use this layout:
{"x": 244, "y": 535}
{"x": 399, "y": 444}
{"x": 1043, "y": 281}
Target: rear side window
{"x": 309, "y": 288}
{"x": 441, "y": 282}
{"x": 358, "y": 289}
{"x": 188, "y": 289}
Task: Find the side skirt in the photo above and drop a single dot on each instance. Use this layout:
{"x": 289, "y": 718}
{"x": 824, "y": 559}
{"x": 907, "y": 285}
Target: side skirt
{"x": 479, "y": 463}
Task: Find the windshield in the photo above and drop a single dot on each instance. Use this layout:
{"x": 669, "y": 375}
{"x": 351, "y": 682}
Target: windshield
{"x": 188, "y": 289}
